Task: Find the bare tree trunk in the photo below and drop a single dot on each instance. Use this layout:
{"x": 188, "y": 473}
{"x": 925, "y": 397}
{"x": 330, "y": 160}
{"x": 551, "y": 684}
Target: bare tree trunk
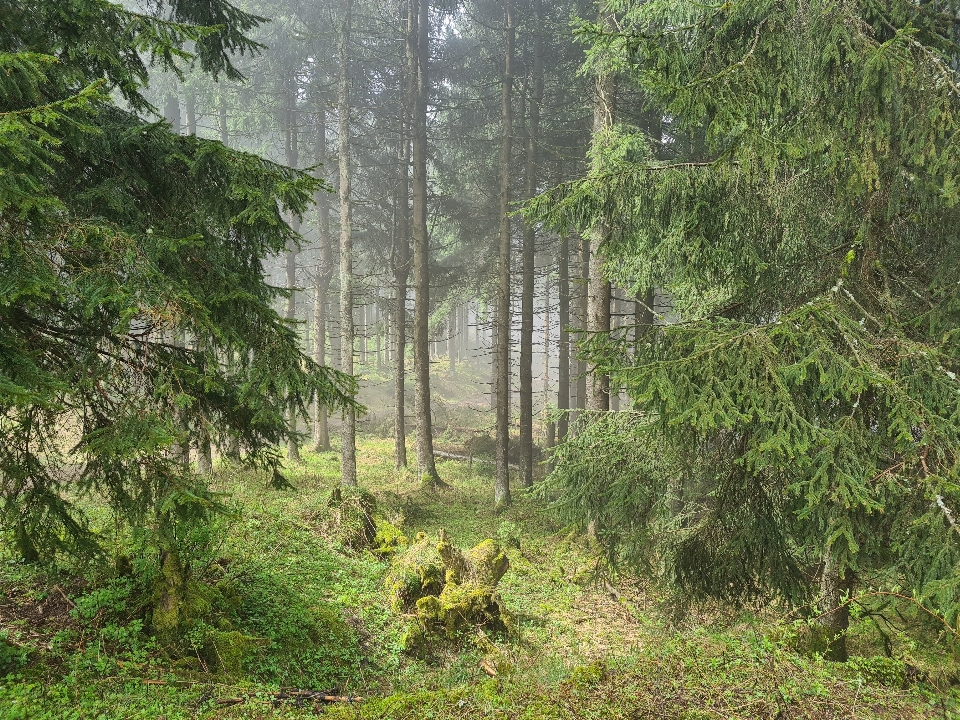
{"x": 503, "y": 320}
{"x": 321, "y": 430}
{"x": 528, "y": 253}
{"x": 836, "y": 587}
{"x": 171, "y": 113}
{"x": 546, "y": 341}
{"x": 452, "y": 340}
{"x": 598, "y": 313}
{"x": 224, "y": 128}
{"x": 292, "y": 156}
{"x": 563, "y": 369}
{"x": 582, "y": 305}
{"x": 401, "y": 270}
{"x": 348, "y": 455}
{"x": 494, "y": 362}
{"x": 190, "y": 105}
{"x": 379, "y": 327}
{"x": 421, "y": 248}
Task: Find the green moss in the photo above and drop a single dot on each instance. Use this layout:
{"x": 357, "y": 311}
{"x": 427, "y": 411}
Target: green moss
{"x": 389, "y": 539}
{"x": 488, "y": 562}
{"x": 417, "y": 572}
{"x": 468, "y": 597}
{"x": 587, "y": 676}
{"x": 179, "y": 602}
{"x": 226, "y": 652}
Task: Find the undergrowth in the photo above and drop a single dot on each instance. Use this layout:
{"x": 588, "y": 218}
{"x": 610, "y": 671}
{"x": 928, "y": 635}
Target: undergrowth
{"x": 292, "y": 599}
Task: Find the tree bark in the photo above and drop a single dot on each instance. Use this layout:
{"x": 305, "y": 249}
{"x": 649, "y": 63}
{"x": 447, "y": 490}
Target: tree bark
{"x": 452, "y": 340}
{"x": 563, "y": 365}
{"x": 503, "y": 319}
{"x": 421, "y": 260}
{"x": 190, "y": 105}
{"x": 171, "y": 113}
{"x": 836, "y": 587}
{"x": 290, "y": 137}
{"x": 348, "y": 453}
{"x": 528, "y": 253}
{"x": 224, "y": 127}
{"x": 401, "y": 269}
{"x": 321, "y": 430}
{"x": 598, "y": 312}
{"x": 582, "y": 304}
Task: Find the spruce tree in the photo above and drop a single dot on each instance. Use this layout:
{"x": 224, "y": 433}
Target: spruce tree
{"x": 798, "y": 425}
{"x": 134, "y": 314}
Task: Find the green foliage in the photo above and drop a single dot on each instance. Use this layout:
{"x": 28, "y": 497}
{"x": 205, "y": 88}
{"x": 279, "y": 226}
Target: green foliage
{"x": 295, "y": 607}
{"x": 134, "y": 313}
{"x": 805, "y": 403}
{"x": 11, "y": 656}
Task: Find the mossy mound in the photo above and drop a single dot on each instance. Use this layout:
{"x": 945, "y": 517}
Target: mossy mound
{"x": 389, "y": 539}
{"x": 416, "y": 573}
{"x": 225, "y": 651}
{"x": 352, "y": 522}
{"x": 179, "y": 601}
{"x": 450, "y": 591}
{"x": 351, "y": 518}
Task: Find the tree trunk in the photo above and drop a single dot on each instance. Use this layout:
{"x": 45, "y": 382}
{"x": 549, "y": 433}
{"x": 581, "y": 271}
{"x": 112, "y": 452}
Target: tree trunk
{"x": 582, "y": 305}
{"x": 224, "y": 131}
{"x": 190, "y": 104}
{"x": 546, "y": 341}
{"x": 494, "y": 364}
{"x": 563, "y": 369}
{"x": 529, "y": 241}
{"x": 321, "y": 430}
{"x": 836, "y": 587}
{"x": 503, "y": 320}
{"x": 348, "y": 456}
{"x": 293, "y": 446}
{"x": 452, "y": 341}
{"x": 400, "y": 258}
{"x": 421, "y": 260}
{"x": 171, "y": 113}
{"x": 598, "y": 312}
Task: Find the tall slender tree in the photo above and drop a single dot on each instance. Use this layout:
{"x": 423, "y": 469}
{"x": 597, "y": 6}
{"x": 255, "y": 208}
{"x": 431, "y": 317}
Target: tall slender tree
{"x": 503, "y": 315}
{"x": 348, "y": 438}
{"x": 426, "y": 463}
{"x": 529, "y": 250}
{"x": 323, "y": 276}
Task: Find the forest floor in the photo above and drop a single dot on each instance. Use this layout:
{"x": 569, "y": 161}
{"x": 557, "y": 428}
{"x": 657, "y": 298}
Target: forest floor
{"x": 295, "y": 603}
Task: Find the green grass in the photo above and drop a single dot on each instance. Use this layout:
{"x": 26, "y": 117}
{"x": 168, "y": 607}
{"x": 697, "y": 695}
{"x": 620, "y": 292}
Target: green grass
{"x": 315, "y": 614}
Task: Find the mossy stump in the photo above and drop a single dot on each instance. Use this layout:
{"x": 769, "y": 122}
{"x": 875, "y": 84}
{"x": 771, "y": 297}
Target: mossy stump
{"x": 449, "y": 591}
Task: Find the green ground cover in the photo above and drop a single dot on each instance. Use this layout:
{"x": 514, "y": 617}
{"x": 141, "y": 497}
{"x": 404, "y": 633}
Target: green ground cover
{"x": 290, "y": 594}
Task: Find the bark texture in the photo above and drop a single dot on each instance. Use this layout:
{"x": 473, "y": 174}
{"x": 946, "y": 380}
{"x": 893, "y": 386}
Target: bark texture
{"x": 529, "y": 246}
{"x": 421, "y": 261}
{"x": 502, "y": 355}
{"x": 348, "y": 454}
{"x": 324, "y": 273}
{"x": 563, "y": 364}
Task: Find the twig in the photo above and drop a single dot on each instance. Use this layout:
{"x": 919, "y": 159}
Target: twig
{"x": 64, "y": 595}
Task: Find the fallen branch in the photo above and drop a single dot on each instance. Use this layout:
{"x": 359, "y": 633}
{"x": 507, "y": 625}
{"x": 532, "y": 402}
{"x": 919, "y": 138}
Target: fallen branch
{"x": 454, "y": 456}
{"x": 60, "y": 590}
